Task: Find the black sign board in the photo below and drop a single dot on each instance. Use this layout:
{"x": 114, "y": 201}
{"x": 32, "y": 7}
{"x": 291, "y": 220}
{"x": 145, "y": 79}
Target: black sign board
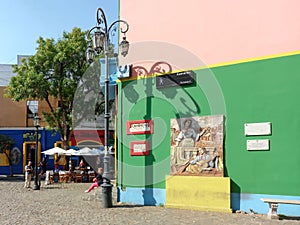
{"x": 175, "y": 79}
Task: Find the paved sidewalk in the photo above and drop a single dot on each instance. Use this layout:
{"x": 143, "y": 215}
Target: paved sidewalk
{"x": 67, "y": 203}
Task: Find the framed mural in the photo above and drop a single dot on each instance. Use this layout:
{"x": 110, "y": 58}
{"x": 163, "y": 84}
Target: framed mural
{"x": 197, "y": 146}
{"x": 139, "y": 148}
{"x": 139, "y": 127}
{"x": 15, "y": 156}
{"x": 4, "y": 159}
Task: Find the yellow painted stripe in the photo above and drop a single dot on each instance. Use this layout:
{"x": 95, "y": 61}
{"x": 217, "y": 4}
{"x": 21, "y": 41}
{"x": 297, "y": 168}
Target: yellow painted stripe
{"x": 221, "y": 64}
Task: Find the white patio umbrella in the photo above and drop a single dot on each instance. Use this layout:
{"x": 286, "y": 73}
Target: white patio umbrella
{"x": 55, "y": 150}
{"x": 71, "y": 152}
{"x": 87, "y": 151}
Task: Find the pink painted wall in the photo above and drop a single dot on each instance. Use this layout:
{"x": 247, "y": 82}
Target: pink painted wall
{"x": 216, "y": 31}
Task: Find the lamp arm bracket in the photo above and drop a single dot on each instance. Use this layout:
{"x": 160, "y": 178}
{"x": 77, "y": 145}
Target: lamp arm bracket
{"x": 101, "y": 18}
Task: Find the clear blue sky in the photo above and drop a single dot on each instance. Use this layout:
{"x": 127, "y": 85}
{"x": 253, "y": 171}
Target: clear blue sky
{"x": 22, "y": 22}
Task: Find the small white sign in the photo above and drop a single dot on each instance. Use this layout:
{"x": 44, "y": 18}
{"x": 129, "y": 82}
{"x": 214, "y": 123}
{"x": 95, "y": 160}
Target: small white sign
{"x": 139, "y": 127}
{"x": 257, "y": 128}
{"x": 139, "y": 147}
{"x": 258, "y": 144}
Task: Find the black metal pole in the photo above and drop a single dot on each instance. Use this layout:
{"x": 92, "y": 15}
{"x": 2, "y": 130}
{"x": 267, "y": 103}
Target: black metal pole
{"x": 106, "y": 186}
{"x": 106, "y": 113}
{"x": 36, "y": 186}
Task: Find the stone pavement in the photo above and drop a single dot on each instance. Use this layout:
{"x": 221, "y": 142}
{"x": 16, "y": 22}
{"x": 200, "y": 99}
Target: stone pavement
{"x": 67, "y": 203}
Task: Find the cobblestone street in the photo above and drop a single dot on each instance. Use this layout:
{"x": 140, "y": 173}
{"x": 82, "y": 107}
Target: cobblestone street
{"x": 67, "y": 203}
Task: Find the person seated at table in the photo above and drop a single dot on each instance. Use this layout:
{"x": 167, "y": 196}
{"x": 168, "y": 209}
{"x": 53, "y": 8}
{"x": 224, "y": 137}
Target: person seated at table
{"x": 54, "y": 173}
{"x": 81, "y": 164}
{"x": 56, "y": 169}
{"x": 82, "y": 167}
{"x": 97, "y": 181}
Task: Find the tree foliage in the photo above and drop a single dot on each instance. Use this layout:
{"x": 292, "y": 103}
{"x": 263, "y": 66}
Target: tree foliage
{"x": 89, "y": 102}
{"x": 52, "y": 73}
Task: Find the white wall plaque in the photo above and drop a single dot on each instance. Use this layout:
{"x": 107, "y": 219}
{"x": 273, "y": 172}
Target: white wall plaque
{"x": 258, "y": 144}
{"x": 257, "y": 128}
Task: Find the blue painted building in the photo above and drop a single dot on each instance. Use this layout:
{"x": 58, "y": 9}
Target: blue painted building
{"x": 24, "y": 147}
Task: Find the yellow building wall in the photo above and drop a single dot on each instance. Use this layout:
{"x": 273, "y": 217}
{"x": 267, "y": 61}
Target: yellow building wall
{"x": 199, "y": 193}
{"x": 12, "y": 114}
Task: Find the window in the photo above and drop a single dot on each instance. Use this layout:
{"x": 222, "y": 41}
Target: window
{"x": 32, "y": 109}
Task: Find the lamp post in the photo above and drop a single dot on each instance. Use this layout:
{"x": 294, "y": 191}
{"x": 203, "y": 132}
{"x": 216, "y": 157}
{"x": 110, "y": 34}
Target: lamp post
{"x": 100, "y": 42}
{"x": 36, "y": 123}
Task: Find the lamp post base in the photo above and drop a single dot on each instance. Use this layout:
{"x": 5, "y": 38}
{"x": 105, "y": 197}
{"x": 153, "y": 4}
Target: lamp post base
{"x": 106, "y": 194}
{"x": 35, "y": 187}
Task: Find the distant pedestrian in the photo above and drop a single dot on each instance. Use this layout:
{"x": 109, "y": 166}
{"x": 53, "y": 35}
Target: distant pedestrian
{"x": 71, "y": 169}
{"x": 40, "y": 173}
{"x": 28, "y": 174}
{"x": 44, "y": 166}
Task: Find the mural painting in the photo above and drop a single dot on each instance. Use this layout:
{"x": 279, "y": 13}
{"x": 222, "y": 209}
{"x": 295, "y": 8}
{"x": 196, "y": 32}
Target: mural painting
{"x": 197, "y": 146}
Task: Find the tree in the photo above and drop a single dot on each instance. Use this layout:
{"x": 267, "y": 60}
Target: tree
{"x": 52, "y": 73}
{"x": 6, "y": 143}
{"x": 89, "y": 98}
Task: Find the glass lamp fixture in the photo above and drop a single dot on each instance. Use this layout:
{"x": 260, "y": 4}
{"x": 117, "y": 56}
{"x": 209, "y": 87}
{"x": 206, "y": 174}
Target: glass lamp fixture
{"x": 98, "y": 40}
{"x": 124, "y": 47}
{"x": 36, "y": 121}
{"x": 90, "y": 54}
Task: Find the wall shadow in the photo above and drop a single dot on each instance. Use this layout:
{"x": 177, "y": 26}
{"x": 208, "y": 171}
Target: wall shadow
{"x": 15, "y": 178}
{"x": 235, "y": 196}
{"x": 148, "y": 194}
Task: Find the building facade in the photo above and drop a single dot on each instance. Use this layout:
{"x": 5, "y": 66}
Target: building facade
{"x": 233, "y": 60}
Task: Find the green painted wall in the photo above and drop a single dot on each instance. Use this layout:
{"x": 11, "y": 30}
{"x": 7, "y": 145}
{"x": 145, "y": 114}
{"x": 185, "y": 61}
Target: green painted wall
{"x": 258, "y": 91}
{"x": 263, "y": 91}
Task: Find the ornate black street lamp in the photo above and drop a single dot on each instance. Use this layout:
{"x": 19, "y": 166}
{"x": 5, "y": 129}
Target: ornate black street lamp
{"x": 100, "y": 42}
{"x": 36, "y": 123}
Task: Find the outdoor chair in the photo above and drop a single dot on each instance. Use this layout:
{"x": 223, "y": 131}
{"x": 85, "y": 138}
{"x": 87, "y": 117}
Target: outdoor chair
{"x": 77, "y": 178}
